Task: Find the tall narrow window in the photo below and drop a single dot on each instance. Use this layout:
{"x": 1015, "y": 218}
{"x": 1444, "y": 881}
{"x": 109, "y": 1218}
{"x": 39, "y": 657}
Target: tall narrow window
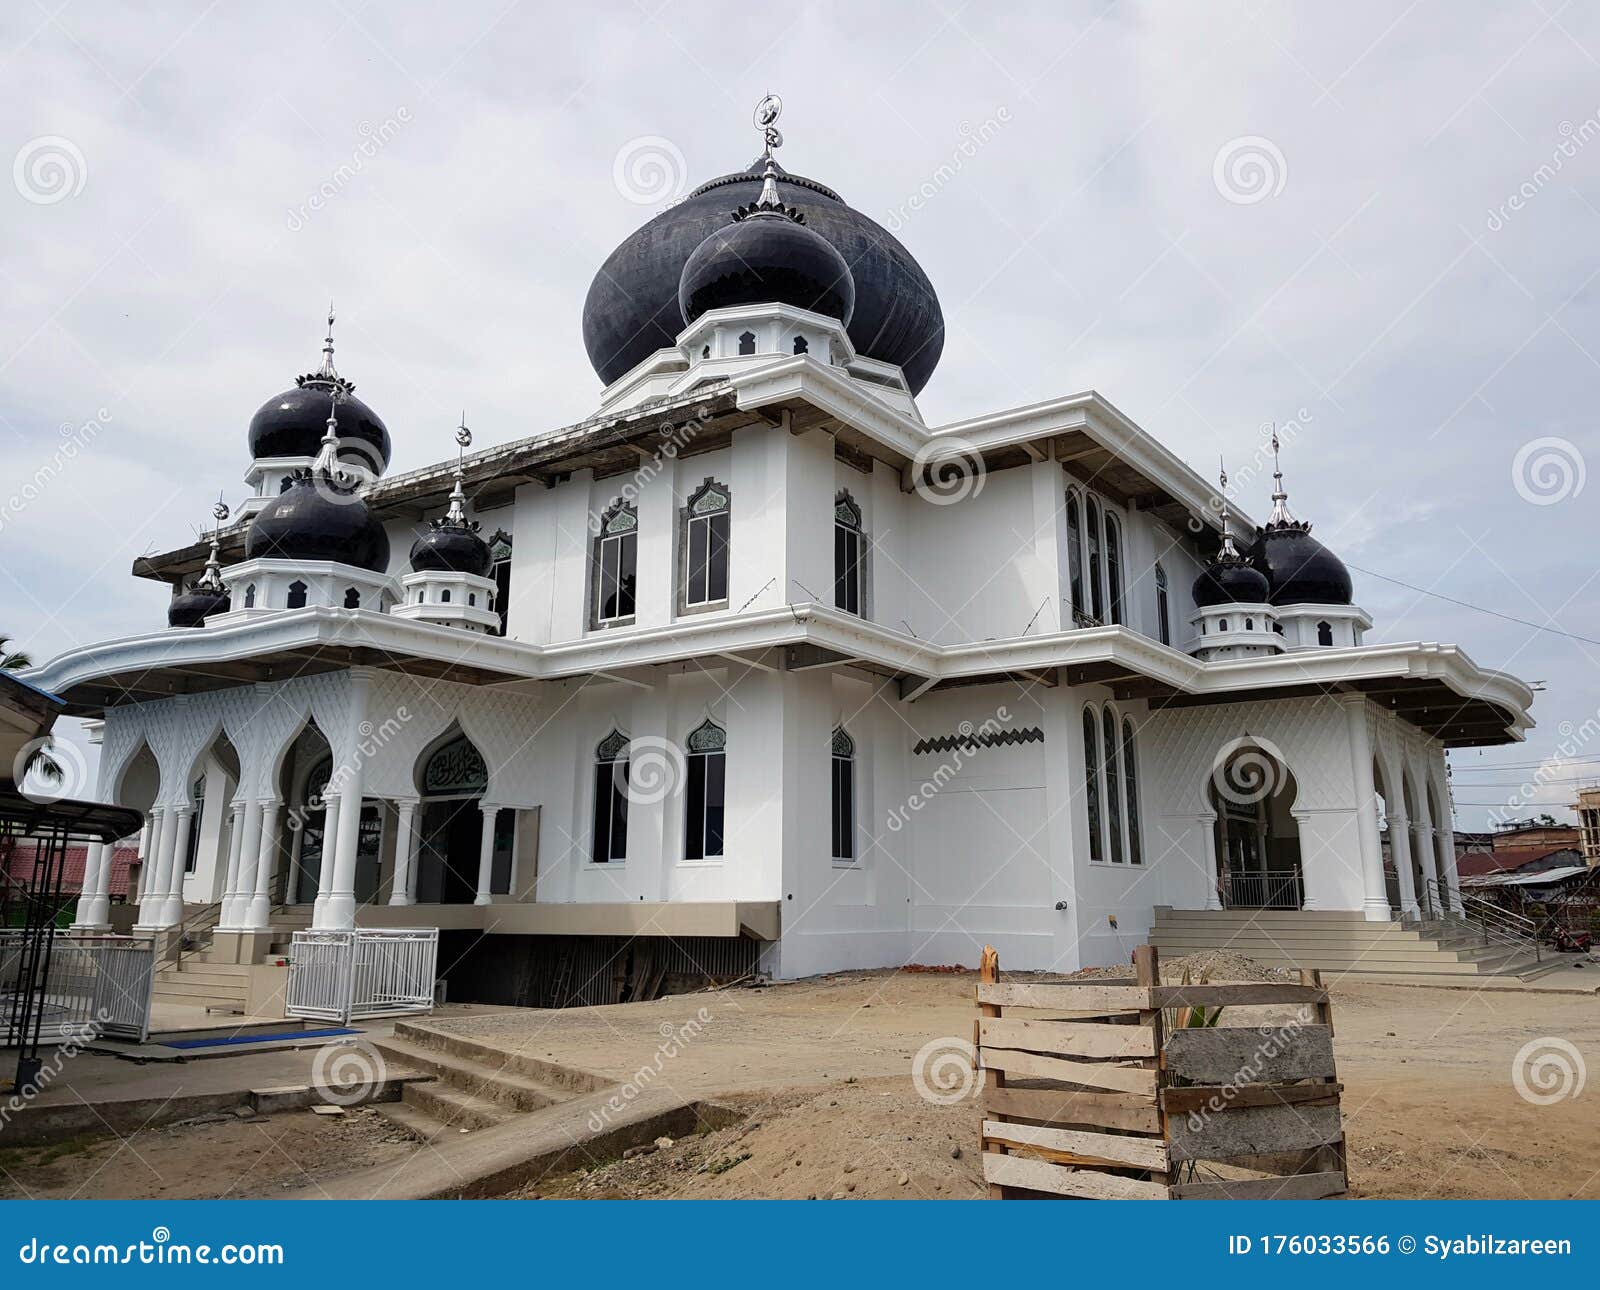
{"x": 1163, "y": 607}
{"x": 707, "y": 782}
{"x": 1097, "y": 595}
{"x": 250, "y": 596}
{"x": 706, "y": 546}
{"x": 1091, "y": 782}
{"x": 297, "y": 596}
{"x": 1075, "y": 553}
{"x": 192, "y": 856}
{"x": 616, "y": 561}
{"x": 1113, "y": 788}
{"x": 1130, "y": 780}
{"x": 848, "y": 551}
{"x": 844, "y": 798}
{"x": 500, "y": 571}
{"x": 1324, "y": 634}
{"x": 1114, "y": 566}
{"x": 611, "y": 800}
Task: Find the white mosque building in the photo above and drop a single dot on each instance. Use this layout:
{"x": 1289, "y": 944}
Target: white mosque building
{"x": 755, "y": 668}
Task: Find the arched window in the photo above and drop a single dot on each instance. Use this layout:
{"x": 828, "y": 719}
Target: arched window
{"x": 707, "y": 784}
{"x": 1113, "y": 787}
{"x": 616, "y": 562}
{"x": 849, "y": 550}
{"x": 288, "y": 483}
{"x": 1091, "y": 782}
{"x": 1130, "y": 780}
{"x": 1075, "y": 553}
{"x": 1324, "y": 634}
{"x": 844, "y": 798}
{"x": 297, "y": 595}
{"x": 352, "y": 598}
{"x": 1163, "y": 607}
{"x": 500, "y": 571}
{"x": 705, "y": 351}
{"x": 472, "y": 598}
{"x": 802, "y": 345}
{"x": 1114, "y": 566}
{"x": 250, "y": 596}
{"x": 1249, "y": 624}
{"x": 192, "y": 856}
{"x": 1222, "y": 624}
{"x": 610, "y": 800}
{"x": 444, "y": 596}
{"x": 705, "y": 546}
{"x": 1097, "y": 595}
{"x": 747, "y": 342}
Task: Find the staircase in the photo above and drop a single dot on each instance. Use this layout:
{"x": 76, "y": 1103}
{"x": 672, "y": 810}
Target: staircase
{"x": 1343, "y": 942}
{"x": 474, "y": 1086}
{"x": 193, "y": 978}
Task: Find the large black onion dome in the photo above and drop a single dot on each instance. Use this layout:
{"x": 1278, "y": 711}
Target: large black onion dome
{"x": 632, "y": 308}
{"x": 292, "y": 424}
{"x": 767, "y": 258}
{"x": 191, "y": 608}
{"x": 451, "y": 546}
{"x": 1231, "y": 582}
{"x": 318, "y": 517}
{"x": 1301, "y": 570}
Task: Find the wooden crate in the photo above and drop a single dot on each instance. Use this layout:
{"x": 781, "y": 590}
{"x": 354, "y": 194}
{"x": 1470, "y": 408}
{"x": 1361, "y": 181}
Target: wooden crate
{"x": 1096, "y": 1091}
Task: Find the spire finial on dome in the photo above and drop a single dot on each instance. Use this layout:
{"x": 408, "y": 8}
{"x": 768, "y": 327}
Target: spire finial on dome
{"x": 327, "y": 462}
{"x": 766, "y": 120}
{"x": 1280, "y": 516}
{"x": 328, "y": 371}
{"x": 1229, "y": 552}
{"x": 458, "y": 495}
{"x": 212, "y": 577}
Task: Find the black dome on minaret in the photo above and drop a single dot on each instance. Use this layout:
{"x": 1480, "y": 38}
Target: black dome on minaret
{"x": 767, "y": 256}
{"x": 1231, "y": 581}
{"x": 451, "y": 546}
{"x": 191, "y": 608}
{"x": 291, "y": 424}
{"x": 320, "y": 516}
{"x": 633, "y": 308}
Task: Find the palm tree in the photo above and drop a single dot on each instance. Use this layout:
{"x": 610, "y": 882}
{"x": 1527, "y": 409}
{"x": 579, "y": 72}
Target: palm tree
{"x": 39, "y": 760}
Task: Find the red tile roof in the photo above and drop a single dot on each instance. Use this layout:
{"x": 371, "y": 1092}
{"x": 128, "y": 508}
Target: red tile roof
{"x": 1470, "y": 863}
{"x": 21, "y": 866}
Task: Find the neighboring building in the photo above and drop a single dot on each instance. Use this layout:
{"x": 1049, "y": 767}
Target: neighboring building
{"x": 1588, "y": 809}
{"x": 755, "y": 665}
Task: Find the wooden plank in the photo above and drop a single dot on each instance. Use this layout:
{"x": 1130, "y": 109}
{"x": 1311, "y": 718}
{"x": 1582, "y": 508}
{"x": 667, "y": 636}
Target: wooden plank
{"x": 989, "y": 974}
{"x": 1082, "y": 998}
{"x": 1294, "y": 1187}
{"x": 1200, "y": 1097}
{"x": 1147, "y": 967}
{"x": 1238, "y": 996}
{"x": 1244, "y": 1055}
{"x": 1059, "y": 1106}
{"x": 1067, "y": 1038}
{"x": 1062, "y": 1180}
{"x": 1124, "y": 1079}
{"x": 1108, "y": 1148}
{"x": 1255, "y": 1131}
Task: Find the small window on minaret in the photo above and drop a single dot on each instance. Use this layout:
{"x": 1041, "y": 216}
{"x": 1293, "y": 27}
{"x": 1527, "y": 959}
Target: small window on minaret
{"x": 1324, "y": 634}
{"x": 444, "y": 596}
{"x": 297, "y": 595}
{"x": 352, "y": 598}
{"x": 1249, "y": 624}
{"x": 747, "y": 343}
{"x": 250, "y": 596}
{"x": 802, "y": 345}
{"x": 705, "y": 351}
{"x": 1222, "y": 624}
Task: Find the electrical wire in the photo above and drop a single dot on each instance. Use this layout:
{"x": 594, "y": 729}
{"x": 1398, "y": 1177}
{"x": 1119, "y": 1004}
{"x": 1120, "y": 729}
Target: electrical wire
{"x": 1495, "y": 613}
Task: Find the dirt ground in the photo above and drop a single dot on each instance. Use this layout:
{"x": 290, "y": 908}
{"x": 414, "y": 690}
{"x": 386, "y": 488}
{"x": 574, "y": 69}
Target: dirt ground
{"x": 825, "y": 1072}
{"x": 212, "y": 1157}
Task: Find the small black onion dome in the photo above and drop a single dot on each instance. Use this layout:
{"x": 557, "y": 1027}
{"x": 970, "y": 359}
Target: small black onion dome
{"x": 292, "y": 424}
{"x": 318, "y": 518}
{"x": 1231, "y": 582}
{"x": 451, "y": 546}
{"x": 1301, "y": 570}
{"x": 191, "y": 608}
{"x": 767, "y": 258}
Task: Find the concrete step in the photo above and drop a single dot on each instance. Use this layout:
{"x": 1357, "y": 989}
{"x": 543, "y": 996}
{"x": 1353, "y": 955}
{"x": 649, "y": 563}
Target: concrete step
{"x": 546, "y": 1073}
{"x": 1289, "y": 917}
{"x": 183, "y": 986}
{"x": 507, "y": 1088}
{"x": 1343, "y": 960}
{"x": 1255, "y": 944}
{"x": 411, "y": 1119}
{"x": 455, "y": 1108}
{"x": 1372, "y": 933}
{"x": 205, "y": 974}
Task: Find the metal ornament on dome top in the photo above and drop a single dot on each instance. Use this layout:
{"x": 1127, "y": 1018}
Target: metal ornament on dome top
{"x": 766, "y": 120}
{"x": 1281, "y": 517}
{"x": 1229, "y": 554}
{"x": 457, "y": 515}
{"x": 327, "y": 374}
{"x": 769, "y": 203}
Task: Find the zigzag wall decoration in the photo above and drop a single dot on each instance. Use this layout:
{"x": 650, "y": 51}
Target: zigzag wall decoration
{"x": 984, "y": 739}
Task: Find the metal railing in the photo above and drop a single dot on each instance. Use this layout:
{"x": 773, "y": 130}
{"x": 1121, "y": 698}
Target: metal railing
{"x": 1263, "y": 889}
{"x": 362, "y": 972}
{"x": 1492, "y": 923}
{"x": 96, "y": 985}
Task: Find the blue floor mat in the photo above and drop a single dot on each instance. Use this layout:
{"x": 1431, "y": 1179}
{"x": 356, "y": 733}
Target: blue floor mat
{"x": 256, "y": 1038}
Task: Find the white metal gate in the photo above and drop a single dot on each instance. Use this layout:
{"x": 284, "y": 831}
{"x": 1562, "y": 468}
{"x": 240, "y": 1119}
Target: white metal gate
{"x": 362, "y": 972}
{"x": 96, "y": 985}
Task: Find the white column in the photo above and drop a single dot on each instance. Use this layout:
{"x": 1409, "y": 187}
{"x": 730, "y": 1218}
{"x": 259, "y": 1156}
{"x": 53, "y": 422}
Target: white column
{"x": 340, "y": 907}
{"x": 172, "y": 908}
{"x": 1437, "y": 896}
{"x": 230, "y": 882}
{"x": 403, "y": 886}
{"x": 266, "y": 856}
{"x": 236, "y": 913}
{"x": 1208, "y": 830}
{"x": 98, "y": 858}
{"x": 486, "y": 855}
{"x": 330, "y": 842}
{"x": 1400, "y": 849}
{"x": 1375, "y": 900}
{"x": 158, "y": 871}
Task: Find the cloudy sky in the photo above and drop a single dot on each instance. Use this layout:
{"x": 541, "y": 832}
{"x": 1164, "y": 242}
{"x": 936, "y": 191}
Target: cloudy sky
{"x": 1374, "y": 222}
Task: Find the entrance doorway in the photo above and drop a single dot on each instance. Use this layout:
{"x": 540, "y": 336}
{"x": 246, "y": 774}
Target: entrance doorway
{"x": 450, "y": 840}
{"x": 316, "y": 847}
{"x": 1257, "y": 837}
